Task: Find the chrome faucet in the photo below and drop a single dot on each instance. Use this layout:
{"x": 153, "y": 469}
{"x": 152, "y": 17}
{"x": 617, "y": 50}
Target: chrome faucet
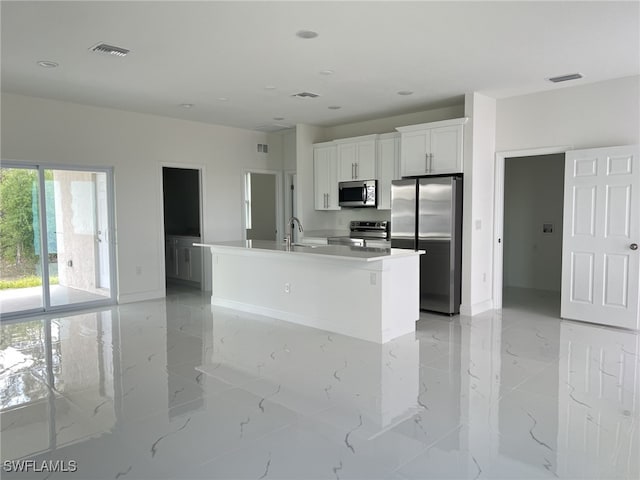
{"x": 290, "y": 224}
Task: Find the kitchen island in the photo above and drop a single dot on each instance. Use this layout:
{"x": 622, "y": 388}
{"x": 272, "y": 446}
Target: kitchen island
{"x": 367, "y": 293}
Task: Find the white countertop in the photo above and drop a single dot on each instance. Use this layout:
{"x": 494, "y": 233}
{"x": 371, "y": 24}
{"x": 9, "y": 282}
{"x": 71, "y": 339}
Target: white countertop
{"x": 367, "y": 254}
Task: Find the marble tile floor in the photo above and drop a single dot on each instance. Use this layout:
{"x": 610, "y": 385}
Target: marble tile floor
{"x": 173, "y": 389}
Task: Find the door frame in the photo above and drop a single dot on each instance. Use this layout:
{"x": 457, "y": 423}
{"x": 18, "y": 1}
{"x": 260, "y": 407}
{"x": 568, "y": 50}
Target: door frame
{"x": 279, "y": 201}
{"x": 498, "y": 209}
{"x": 290, "y": 180}
{"x": 47, "y": 308}
{"x": 202, "y": 199}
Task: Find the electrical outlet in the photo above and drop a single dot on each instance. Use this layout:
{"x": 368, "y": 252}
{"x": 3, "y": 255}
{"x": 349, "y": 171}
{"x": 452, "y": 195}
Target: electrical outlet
{"x": 287, "y": 288}
{"x": 138, "y": 270}
{"x": 484, "y": 277}
{"x": 372, "y": 278}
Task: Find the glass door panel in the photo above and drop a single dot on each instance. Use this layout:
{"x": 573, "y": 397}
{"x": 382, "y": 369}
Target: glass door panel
{"x": 20, "y": 230}
{"x": 76, "y": 201}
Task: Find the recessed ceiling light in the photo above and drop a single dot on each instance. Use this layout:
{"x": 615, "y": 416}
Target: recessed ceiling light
{"x": 269, "y": 87}
{"x": 334, "y": 107}
{"x": 186, "y": 105}
{"x": 306, "y": 34}
{"x": 47, "y": 64}
{"x": 564, "y": 78}
{"x": 405, "y": 92}
{"x": 326, "y": 72}
{"x": 223, "y": 99}
{"x": 277, "y": 119}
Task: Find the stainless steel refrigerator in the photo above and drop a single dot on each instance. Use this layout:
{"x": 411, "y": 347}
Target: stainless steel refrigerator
{"x": 426, "y": 214}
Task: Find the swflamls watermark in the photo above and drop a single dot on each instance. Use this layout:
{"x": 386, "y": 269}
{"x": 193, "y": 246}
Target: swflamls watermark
{"x": 54, "y": 466}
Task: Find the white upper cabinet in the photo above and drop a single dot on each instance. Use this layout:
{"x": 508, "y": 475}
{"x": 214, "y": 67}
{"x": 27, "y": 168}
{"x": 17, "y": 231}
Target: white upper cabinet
{"x": 388, "y": 167}
{"x": 356, "y": 158}
{"x": 325, "y": 176}
{"x": 432, "y": 148}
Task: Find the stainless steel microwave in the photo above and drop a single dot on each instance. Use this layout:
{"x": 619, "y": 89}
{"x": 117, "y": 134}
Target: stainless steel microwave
{"x": 359, "y": 193}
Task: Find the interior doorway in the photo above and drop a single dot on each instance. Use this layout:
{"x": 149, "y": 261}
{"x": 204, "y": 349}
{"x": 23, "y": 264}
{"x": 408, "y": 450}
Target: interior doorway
{"x": 263, "y": 205}
{"x": 532, "y": 232}
{"x": 529, "y": 200}
{"x": 290, "y": 204}
{"x": 182, "y": 208}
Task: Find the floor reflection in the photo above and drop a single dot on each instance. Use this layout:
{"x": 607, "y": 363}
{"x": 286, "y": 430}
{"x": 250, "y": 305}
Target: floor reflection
{"x": 174, "y": 389}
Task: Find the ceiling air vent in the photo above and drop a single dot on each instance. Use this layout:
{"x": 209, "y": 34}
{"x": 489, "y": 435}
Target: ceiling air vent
{"x": 565, "y": 78}
{"x": 110, "y": 50}
{"x": 305, "y": 95}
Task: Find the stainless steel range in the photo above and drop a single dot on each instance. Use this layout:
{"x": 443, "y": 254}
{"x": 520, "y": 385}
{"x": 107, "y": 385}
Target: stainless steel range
{"x": 363, "y": 231}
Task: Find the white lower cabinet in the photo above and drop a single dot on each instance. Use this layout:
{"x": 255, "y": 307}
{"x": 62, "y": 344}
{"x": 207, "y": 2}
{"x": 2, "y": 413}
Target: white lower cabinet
{"x": 183, "y": 261}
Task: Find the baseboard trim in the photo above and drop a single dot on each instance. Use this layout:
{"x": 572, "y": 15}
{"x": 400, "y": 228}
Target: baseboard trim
{"x": 477, "y": 308}
{"x": 141, "y": 296}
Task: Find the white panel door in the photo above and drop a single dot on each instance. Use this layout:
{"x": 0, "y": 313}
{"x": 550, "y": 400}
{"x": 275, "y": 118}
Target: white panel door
{"x": 600, "y": 256}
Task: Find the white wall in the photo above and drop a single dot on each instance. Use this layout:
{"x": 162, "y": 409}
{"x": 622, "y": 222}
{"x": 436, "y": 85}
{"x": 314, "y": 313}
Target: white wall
{"x": 533, "y": 195}
{"x": 596, "y": 115}
{"x": 289, "y": 150}
{"x": 136, "y": 145}
{"x": 389, "y": 124}
{"x": 477, "y": 217}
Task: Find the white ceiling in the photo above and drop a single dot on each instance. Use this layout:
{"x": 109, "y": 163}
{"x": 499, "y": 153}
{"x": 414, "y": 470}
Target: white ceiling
{"x": 199, "y": 52}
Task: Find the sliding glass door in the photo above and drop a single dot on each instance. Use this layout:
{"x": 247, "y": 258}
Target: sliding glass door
{"x": 63, "y": 246}
{"x": 20, "y": 253}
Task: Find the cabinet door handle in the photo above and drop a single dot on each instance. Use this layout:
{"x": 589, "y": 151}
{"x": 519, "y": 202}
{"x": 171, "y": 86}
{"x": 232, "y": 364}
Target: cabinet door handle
{"x": 357, "y": 171}
{"x": 430, "y": 162}
{"x": 426, "y": 162}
